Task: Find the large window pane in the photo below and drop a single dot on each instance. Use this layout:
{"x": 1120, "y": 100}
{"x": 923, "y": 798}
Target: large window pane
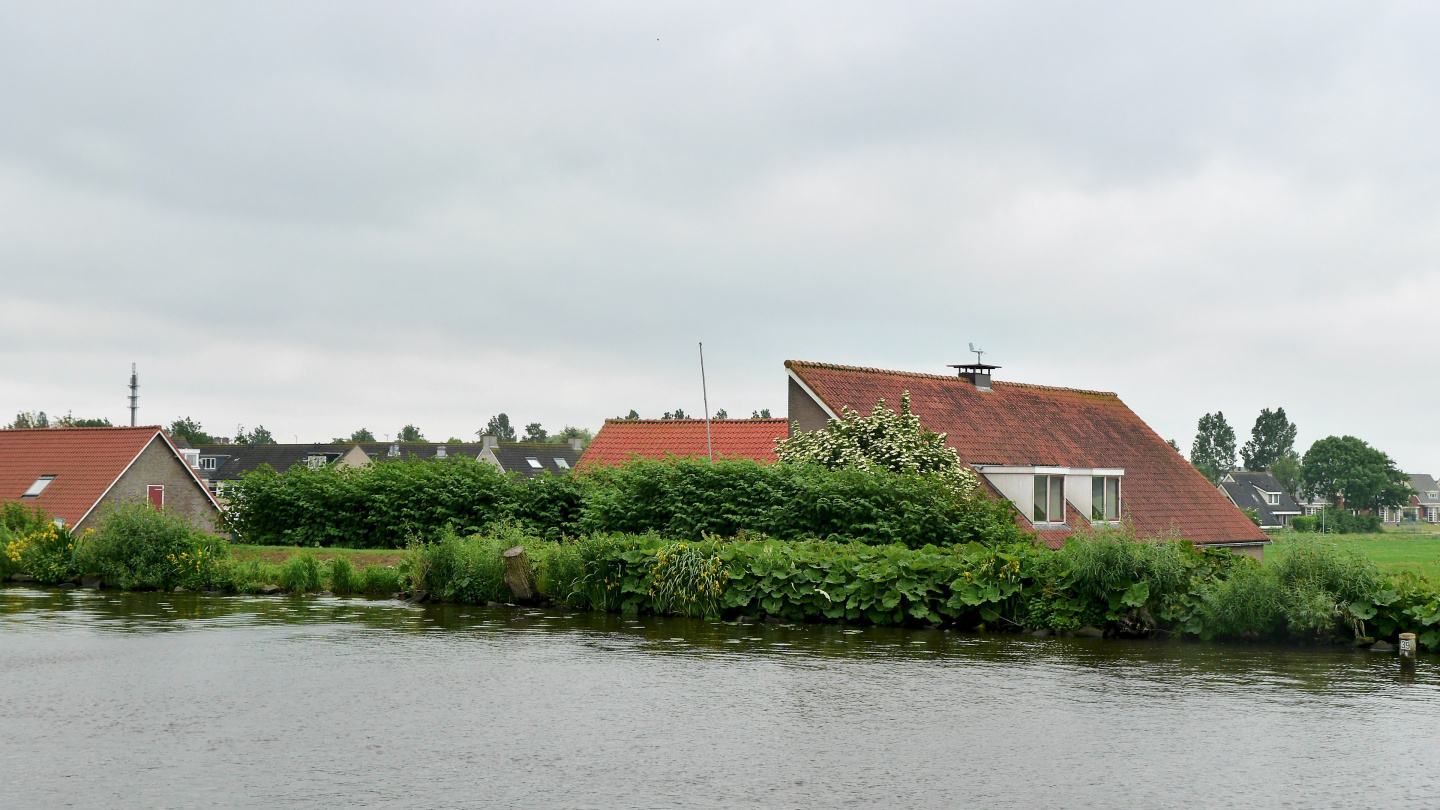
{"x": 1042, "y": 498}
{"x": 1057, "y": 498}
{"x": 1112, "y": 498}
{"x": 1097, "y": 498}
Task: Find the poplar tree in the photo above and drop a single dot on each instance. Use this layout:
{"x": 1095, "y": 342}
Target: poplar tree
{"x": 1213, "y": 452}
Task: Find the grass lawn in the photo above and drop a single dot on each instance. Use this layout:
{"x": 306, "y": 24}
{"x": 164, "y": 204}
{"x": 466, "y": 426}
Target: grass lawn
{"x": 358, "y": 557}
{"x": 1392, "y": 550}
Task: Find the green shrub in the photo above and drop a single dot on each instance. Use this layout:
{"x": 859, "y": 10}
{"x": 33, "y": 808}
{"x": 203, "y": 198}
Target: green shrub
{"x": 138, "y": 547}
{"x": 343, "y": 580}
{"x": 249, "y": 576}
{"x": 1304, "y": 524}
{"x": 46, "y": 553}
{"x": 389, "y": 504}
{"x": 378, "y": 580}
{"x": 301, "y": 573}
{"x": 688, "y": 499}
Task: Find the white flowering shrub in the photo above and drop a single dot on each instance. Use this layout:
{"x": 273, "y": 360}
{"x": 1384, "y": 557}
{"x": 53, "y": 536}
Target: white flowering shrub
{"x": 883, "y": 440}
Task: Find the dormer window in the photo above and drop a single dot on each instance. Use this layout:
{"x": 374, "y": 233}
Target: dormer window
{"x": 1049, "y": 499}
{"x": 1272, "y": 498}
{"x": 38, "y": 487}
{"x": 207, "y": 463}
{"x": 1104, "y": 498}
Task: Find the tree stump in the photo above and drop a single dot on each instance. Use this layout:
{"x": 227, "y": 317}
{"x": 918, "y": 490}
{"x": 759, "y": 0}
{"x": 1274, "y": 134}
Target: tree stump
{"x": 519, "y": 578}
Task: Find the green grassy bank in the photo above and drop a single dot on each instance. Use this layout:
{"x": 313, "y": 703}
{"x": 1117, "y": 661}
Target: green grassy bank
{"x": 1392, "y": 551}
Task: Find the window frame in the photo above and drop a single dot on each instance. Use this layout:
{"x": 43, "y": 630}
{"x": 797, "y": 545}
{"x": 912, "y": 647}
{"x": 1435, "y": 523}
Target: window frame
{"x": 38, "y": 488}
{"x": 562, "y": 463}
{"x": 534, "y": 463}
{"x": 1105, "y": 498}
{"x": 1048, "y": 501}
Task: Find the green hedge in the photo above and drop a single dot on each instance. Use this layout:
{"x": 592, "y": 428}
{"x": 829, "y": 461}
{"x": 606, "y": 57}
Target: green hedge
{"x": 1320, "y": 591}
{"x": 388, "y": 505}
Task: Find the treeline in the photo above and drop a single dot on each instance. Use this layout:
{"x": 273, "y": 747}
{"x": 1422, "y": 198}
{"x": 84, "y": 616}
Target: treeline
{"x": 1337, "y": 469}
{"x": 390, "y": 505}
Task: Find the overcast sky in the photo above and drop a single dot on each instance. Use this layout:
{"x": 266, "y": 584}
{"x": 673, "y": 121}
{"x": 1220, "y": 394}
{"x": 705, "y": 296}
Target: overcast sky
{"x": 322, "y": 216}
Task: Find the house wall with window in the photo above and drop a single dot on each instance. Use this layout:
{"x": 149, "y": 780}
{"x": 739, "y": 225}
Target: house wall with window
{"x": 159, "y": 466}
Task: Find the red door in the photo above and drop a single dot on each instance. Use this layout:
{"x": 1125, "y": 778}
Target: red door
{"x": 157, "y": 495}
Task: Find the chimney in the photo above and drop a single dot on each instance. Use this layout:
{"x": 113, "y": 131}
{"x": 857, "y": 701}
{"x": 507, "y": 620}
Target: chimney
{"x": 489, "y": 442}
{"x": 578, "y": 444}
{"x": 977, "y": 374}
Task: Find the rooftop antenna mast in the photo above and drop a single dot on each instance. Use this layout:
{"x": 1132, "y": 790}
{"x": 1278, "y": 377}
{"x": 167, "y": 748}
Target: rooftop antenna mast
{"x": 134, "y": 394}
{"x": 705, "y": 398}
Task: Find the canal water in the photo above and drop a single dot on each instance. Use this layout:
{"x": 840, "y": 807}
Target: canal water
{"x": 158, "y": 700}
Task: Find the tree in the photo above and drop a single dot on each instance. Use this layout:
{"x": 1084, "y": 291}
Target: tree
{"x": 189, "y": 430}
{"x": 1173, "y": 445}
{"x": 569, "y": 432}
{"x": 499, "y": 427}
{"x": 1272, "y": 437}
{"x": 361, "y": 435}
{"x": 763, "y": 413}
{"x": 634, "y": 414}
{"x": 1344, "y": 467}
{"x": 1286, "y": 470}
{"x": 410, "y": 433}
{"x": 721, "y": 414}
{"x": 535, "y": 433}
{"x": 885, "y": 439}
{"x": 678, "y": 413}
{"x": 1213, "y": 452}
{"x": 257, "y": 436}
{"x": 29, "y": 419}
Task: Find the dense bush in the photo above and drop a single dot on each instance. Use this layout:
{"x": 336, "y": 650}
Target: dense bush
{"x": 46, "y": 553}
{"x": 689, "y": 499}
{"x": 1338, "y": 521}
{"x": 379, "y": 506}
{"x": 136, "y": 546}
{"x": 391, "y": 504}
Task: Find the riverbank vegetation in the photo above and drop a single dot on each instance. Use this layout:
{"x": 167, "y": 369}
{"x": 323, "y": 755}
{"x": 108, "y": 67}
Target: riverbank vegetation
{"x": 1316, "y": 590}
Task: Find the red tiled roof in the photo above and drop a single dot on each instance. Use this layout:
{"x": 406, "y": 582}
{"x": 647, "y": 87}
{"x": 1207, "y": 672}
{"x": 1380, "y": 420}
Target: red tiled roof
{"x": 1034, "y": 425}
{"x": 84, "y": 461}
{"x": 621, "y": 439}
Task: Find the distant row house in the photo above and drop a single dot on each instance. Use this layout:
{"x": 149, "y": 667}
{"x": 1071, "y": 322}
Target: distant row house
{"x": 221, "y": 464}
{"x": 1424, "y": 504}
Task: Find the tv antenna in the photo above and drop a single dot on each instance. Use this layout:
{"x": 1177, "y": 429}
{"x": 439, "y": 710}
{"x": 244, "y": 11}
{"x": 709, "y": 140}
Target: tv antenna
{"x": 134, "y": 394}
{"x": 978, "y": 353}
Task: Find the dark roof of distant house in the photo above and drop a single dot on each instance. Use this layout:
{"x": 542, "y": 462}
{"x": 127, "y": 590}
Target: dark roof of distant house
{"x": 1248, "y": 490}
{"x": 422, "y": 450}
{"x": 619, "y": 440}
{"x": 86, "y": 462}
{"x": 515, "y": 457}
{"x": 234, "y": 460}
{"x": 1034, "y": 425}
{"x": 1424, "y": 485}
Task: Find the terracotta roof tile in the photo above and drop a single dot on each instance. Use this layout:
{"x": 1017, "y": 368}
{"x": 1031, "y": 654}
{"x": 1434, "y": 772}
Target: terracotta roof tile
{"x": 621, "y": 439}
{"x": 84, "y": 461}
{"x": 1027, "y": 425}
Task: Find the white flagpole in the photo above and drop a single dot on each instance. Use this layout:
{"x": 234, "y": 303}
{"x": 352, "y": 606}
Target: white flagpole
{"x": 705, "y": 397}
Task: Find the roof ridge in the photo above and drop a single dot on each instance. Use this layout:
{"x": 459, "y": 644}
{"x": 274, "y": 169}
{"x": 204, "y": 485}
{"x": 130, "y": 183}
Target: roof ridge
{"x": 95, "y": 427}
{"x": 922, "y": 375}
{"x": 737, "y": 420}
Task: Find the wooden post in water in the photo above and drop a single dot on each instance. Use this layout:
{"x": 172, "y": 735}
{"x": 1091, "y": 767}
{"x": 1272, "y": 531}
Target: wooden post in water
{"x": 1407, "y": 649}
{"x": 518, "y": 576}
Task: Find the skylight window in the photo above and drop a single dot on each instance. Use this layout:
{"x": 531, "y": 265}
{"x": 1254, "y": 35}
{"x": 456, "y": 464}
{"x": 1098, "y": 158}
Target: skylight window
{"x": 38, "y": 487}
{"x": 562, "y": 464}
{"x": 535, "y": 462}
